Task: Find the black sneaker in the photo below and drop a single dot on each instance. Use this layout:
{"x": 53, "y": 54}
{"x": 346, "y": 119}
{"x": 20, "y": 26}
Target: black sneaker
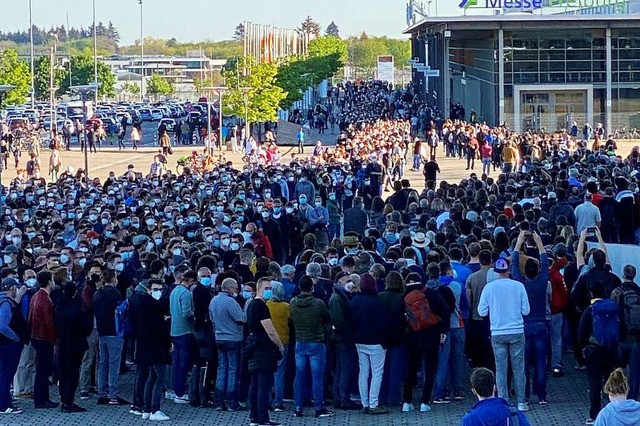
{"x": 11, "y": 410}
{"x": 351, "y": 405}
{"x": 298, "y": 413}
{"x": 102, "y": 400}
{"x": 279, "y": 408}
{"x": 324, "y": 413}
{"x": 84, "y": 395}
{"x": 118, "y": 401}
{"x": 46, "y": 405}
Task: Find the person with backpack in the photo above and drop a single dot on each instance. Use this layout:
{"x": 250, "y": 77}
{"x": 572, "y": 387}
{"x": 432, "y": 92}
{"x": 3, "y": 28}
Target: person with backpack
{"x": 627, "y": 296}
{"x": 428, "y": 324}
{"x": 505, "y": 301}
{"x": 599, "y": 335}
{"x": 536, "y": 330}
{"x": 490, "y": 409}
{"x": 14, "y": 334}
{"x": 559, "y": 303}
{"x": 105, "y": 301}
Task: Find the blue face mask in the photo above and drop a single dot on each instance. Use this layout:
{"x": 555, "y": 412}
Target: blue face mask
{"x": 247, "y": 295}
{"x": 303, "y": 201}
{"x": 205, "y": 281}
{"x": 124, "y": 255}
{"x": 267, "y": 294}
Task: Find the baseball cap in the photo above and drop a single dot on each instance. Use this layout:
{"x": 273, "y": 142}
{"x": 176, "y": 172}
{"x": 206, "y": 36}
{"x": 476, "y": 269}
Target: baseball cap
{"x": 560, "y": 250}
{"x": 501, "y": 266}
{"x": 9, "y": 282}
{"x": 552, "y": 196}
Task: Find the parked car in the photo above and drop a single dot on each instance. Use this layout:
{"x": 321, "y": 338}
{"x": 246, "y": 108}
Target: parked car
{"x": 156, "y": 114}
{"x": 169, "y": 124}
{"x": 145, "y": 114}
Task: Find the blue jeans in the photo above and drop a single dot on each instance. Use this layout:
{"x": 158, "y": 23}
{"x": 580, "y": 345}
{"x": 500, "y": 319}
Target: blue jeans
{"x": 442, "y": 373}
{"x": 183, "y": 354}
{"x": 509, "y": 347}
{"x": 555, "y": 338}
{"x": 345, "y": 356}
{"x": 536, "y": 340}
{"x": 9, "y": 359}
{"x": 416, "y": 161}
{"x": 629, "y": 354}
{"x": 334, "y": 231}
{"x": 314, "y": 355}
{"x": 227, "y": 378}
{"x": 279, "y": 377}
{"x": 395, "y": 368}
{"x": 153, "y": 387}
{"x": 486, "y": 165}
{"x": 109, "y": 366}
{"x": 457, "y": 378}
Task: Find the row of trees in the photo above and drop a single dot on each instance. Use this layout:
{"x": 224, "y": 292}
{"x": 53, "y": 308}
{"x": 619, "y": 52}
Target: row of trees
{"x": 42, "y": 36}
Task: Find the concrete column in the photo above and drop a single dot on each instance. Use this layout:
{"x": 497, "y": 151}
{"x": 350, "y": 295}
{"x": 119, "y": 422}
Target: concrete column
{"x": 446, "y": 83}
{"x": 608, "y": 109}
{"x": 501, "y": 116}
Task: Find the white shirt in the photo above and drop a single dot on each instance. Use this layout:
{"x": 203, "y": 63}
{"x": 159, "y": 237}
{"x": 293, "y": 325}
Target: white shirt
{"x": 506, "y": 302}
{"x": 587, "y": 215}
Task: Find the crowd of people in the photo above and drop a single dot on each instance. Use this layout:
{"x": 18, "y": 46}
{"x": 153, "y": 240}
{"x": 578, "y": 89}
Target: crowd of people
{"x": 238, "y": 287}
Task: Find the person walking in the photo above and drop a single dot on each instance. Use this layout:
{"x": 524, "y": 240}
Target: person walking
{"x": 43, "y": 338}
{"x": 309, "y": 316}
{"x": 165, "y": 143}
{"x": 370, "y": 333}
{"x": 264, "y": 350}
{"x": 136, "y": 135}
{"x": 300, "y": 138}
{"x": 14, "y": 334}
{"x": 73, "y": 326}
{"x": 228, "y": 322}
{"x": 105, "y": 301}
{"x": 505, "y": 301}
{"x": 182, "y": 334}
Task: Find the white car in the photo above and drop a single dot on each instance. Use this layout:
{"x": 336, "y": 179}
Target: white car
{"x": 156, "y": 114}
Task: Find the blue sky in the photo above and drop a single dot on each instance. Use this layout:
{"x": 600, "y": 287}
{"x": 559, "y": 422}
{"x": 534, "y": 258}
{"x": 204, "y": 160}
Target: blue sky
{"x": 194, "y": 20}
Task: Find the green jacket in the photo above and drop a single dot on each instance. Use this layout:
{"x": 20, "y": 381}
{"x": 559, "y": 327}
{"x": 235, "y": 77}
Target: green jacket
{"x": 309, "y": 316}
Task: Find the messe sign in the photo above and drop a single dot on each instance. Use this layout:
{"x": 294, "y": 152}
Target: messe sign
{"x": 501, "y": 4}
{"x": 386, "y": 68}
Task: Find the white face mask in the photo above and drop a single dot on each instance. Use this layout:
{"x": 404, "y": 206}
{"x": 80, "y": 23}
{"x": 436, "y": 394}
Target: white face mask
{"x": 156, "y": 294}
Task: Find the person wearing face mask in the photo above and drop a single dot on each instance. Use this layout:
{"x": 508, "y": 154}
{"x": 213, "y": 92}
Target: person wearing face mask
{"x": 23, "y": 380}
{"x": 228, "y": 321}
{"x": 182, "y": 334}
{"x": 304, "y": 187}
{"x": 334, "y": 210}
{"x": 14, "y": 334}
{"x": 317, "y": 218}
{"x": 10, "y": 259}
{"x": 153, "y": 346}
{"x": 87, "y": 369}
{"x": 272, "y": 231}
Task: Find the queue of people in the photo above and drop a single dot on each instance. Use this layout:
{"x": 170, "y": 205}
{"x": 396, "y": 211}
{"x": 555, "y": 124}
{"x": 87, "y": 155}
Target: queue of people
{"x": 235, "y": 288}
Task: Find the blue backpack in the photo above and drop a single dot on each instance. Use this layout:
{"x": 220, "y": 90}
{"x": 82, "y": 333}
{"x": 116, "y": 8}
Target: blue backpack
{"x": 606, "y": 323}
{"x": 123, "y": 320}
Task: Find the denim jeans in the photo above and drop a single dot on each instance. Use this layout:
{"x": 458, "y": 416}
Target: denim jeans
{"x": 23, "y": 380}
{"x": 450, "y": 365}
{"x": 509, "y": 347}
{"x": 536, "y": 339}
{"x": 9, "y": 359}
{"x": 371, "y": 361}
{"x": 154, "y": 387}
{"x": 109, "y": 366}
{"x": 629, "y": 354}
{"x": 88, "y": 361}
{"x": 334, "y": 231}
{"x": 486, "y": 165}
{"x": 416, "y": 161}
{"x": 227, "y": 378}
{"x": 313, "y": 355}
{"x": 555, "y": 339}
{"x": 344, "y": 371}
{"x": 183, "y": 354}
{"x": 44, "y": 369}
{"x": 442, "y": 373}
{"x": 279, "y": 378}
{"x": 395, "y": 368}
{"x": 139, "y": 384}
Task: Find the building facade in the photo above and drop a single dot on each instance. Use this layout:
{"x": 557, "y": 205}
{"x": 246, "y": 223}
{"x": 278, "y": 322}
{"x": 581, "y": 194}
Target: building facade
{"x": 533, "y": 71}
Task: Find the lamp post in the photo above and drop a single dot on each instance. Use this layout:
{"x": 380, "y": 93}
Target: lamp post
{"x": 220, "y": 91}
{"x": 95, "y": 54}
{"x": 84, "y": 91}
{"x": 53, "y": 89}
{"x": 141, "y": 55}
{"x": 245, "y": 94}
{"x": 4, "y": 89}
{"x": 33, "y": 83}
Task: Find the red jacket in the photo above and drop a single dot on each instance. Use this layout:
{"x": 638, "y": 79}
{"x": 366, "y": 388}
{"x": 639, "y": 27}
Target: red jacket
{"x": 41, "y": 318}
{"x": 261, "y": 245}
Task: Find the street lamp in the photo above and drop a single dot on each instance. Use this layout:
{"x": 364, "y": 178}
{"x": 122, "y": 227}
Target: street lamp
{"x": 245, "y": 94}
{"x": 53, "y": 89}
{"x": 95, "y": 53}
{"x": 4, "y": 89}
{"x": 33, "y": 83}
{"x": 84, "y": 91}
{"x": 220, "y": 91}
{"x": 141, "y": 55}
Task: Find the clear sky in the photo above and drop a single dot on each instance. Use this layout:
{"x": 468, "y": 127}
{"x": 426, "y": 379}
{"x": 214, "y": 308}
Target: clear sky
{"x": 195, "y": 20}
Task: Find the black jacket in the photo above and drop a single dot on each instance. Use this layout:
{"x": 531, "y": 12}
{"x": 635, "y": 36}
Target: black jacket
{"x": 580, "y": 292}
{"x": 201, "y": 298}
{"x": 355, "y": 220}
{"x": 153, "y": 341}
{"x": 393, "y": 301}
{"x": 105, "y": 302}
{"x": 370, "y": 320}
{"x": 73, "y": 326}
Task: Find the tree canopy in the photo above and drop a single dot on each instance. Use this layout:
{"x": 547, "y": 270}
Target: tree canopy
{"x": 158, "y": 85}
{"x": 82, "y": 73}
{"x": 14, "y": 71}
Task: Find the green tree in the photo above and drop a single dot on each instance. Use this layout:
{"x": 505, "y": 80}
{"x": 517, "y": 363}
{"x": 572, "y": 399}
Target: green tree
{"x": 326, "y": 45}
{"x": 310, "y": 27}
{"x": 158, "y": 85}
{"x": 332, "y": 30}
{"x": 238, "y": 34}
{"x": 42, "y": 77}
{"x": 82, "y": 73}
{"x": 262, "y": 99}
{"x": 131, "y": 88}
{"x": 14, "y": 71}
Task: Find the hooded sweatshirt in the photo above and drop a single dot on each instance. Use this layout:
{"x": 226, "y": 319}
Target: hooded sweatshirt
{"x": 309, "y": 315}
{"x": 491, "y": 412}
{"x": 619, "y": 413}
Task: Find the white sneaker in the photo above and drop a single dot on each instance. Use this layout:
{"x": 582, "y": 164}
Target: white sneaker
{"x": 407, "y": 407}
{"x": 424, "y": 408}
{"x": 145, "y": 416}
{"x": 169, "y": 395}
{"x": 158, "y": 416}
{"x": 181, "y": 400}
{"x": 523, "y": 406}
